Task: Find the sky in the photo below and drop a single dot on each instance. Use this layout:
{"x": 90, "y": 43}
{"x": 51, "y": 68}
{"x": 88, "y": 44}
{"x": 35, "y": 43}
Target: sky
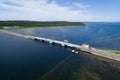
{"x": 61, "y": 10}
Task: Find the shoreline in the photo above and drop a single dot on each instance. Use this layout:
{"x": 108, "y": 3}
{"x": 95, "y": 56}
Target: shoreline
{"x": 25, "y": 24}
{"x": 102, "y": 53}
{"x": 7, "y": 28}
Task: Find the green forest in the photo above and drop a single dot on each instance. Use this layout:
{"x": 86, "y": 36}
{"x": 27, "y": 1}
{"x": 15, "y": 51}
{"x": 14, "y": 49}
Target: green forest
{"x": 39, "y": 24}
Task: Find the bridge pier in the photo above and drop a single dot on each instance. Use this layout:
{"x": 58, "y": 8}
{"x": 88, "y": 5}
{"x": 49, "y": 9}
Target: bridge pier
{"x": 63, "y": 45}
{"x": 35, "y": 39}
{"x": 42, "y": 40}
{"x": 51, "y": 42}
{"x": 39, "y": 40}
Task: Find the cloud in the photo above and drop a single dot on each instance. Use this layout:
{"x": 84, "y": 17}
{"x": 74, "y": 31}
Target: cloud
{"x": 80, "y": 5}
{"x": 41, "y": 10}
{"x": 11, "y": 3}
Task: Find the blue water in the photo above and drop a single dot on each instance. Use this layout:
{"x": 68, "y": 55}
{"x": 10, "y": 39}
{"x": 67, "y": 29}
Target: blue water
{"x": 23, "y": 59}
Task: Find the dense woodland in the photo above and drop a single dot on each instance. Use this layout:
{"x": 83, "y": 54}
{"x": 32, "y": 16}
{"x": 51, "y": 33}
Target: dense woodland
{"x": 39, "y": 24}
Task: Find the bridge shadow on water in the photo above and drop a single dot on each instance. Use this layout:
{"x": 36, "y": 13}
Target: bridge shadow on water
{"x": 84, "y": 66}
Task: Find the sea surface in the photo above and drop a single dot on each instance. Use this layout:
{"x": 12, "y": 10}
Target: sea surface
{"x": 24, "y": 59}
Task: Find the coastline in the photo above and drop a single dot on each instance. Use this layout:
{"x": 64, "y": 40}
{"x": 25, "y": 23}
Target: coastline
{"x": 102, "y": 53}
{"x": 9, "y": 27}
{"x": 28, "y": 24}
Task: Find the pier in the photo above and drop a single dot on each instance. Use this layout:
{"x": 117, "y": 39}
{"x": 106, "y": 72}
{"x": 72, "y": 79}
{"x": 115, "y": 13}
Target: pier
{"x": 84, "y": 47}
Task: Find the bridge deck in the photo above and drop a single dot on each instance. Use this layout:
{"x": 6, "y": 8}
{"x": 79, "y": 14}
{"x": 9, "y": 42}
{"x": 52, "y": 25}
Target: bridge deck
{"x": 91, "y": 50}
{"x": 58, "y": 42}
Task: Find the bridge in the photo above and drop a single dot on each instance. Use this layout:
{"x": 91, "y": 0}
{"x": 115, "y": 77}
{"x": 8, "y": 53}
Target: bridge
{"x": 76, "y": 48}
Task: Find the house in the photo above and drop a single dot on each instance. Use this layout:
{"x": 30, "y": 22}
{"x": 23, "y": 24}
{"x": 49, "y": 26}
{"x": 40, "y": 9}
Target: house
{"x": 85, "y": 46}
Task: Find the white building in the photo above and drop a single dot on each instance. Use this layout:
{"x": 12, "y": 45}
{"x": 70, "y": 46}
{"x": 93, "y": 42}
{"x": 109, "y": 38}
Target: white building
{"x": 85, "y": 46}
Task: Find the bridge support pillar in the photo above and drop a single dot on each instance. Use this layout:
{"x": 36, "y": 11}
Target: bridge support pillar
{"x": 51, "y": 42}
{"x": 63, "y": 45}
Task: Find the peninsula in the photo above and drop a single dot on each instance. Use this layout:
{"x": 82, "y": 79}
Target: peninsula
{"x": 24, "y": 24}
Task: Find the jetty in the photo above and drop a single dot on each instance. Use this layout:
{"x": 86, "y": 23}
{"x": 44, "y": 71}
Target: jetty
{"x": 77, "y": 48}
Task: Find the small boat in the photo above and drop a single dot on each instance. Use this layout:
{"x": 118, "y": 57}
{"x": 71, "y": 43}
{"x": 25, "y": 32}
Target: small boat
{"x": 76, "y": 52}
{"x": 73, "y": 50}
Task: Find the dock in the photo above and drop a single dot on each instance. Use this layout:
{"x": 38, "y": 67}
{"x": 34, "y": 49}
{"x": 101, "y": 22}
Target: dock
{"x": 84, "y": 47}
